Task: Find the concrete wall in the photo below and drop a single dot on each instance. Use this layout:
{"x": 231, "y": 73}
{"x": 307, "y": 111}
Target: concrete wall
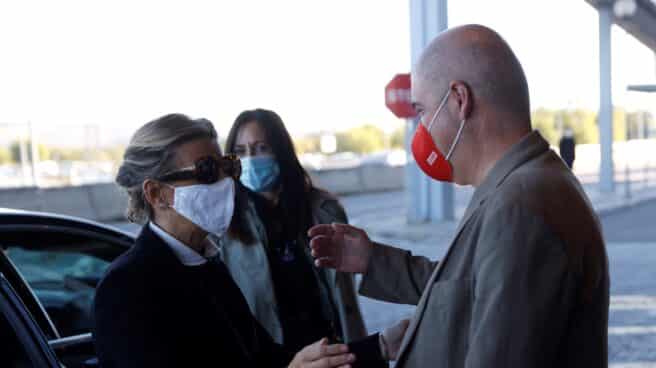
{"x": 368, "y": 178}
{"x": 106, "y": 202}
{"x": 100, "y": 202}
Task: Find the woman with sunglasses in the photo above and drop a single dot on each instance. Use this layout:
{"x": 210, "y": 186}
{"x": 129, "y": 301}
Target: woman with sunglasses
{"x": 169, "y": 301}
{"x": 295, "y": 301}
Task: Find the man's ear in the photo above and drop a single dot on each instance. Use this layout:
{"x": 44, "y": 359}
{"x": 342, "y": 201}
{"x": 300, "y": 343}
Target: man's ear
{"x": 156, "y": 194}
{"x": 463, "y": 95}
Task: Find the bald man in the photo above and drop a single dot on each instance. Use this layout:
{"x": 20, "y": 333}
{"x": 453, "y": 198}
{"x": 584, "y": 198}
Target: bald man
{"x": 525, "y": 281}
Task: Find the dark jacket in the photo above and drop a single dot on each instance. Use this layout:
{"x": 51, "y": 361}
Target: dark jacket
{"x": 152, "y": 311}
{"x": 251, "y": 268}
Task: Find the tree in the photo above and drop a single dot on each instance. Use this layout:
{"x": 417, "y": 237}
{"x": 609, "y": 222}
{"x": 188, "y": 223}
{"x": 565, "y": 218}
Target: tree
{"x": 116, "y": 153}
{"x": 67, "y": 154}
{"x": 5, "y": 156}
{"x": 15, "y": 151}
{"x": 619, "y": 124}
{"x": 397, "y": 140}
{"x": 362, "y": 139}
{"x": 307, "y": 144}
{"x": 585, "y": 127}
{"x": 551, "y": 123}
{"x": 544, "y": 121}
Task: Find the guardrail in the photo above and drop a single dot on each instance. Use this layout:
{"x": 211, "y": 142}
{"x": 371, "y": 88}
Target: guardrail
{"x": 633, "y": 179}
{"x": 106, "y": 202}
{"x": 365, "y": 178}
{"x": 628, "y": 179}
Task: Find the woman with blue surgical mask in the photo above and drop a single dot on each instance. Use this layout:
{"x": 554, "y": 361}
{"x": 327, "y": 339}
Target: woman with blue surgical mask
{"x": 295, "y": 301}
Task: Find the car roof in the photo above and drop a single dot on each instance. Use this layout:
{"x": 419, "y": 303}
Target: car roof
{"x": 12, "y": 217}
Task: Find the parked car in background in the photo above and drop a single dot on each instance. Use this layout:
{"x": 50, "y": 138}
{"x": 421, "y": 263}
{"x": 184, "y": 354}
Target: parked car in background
{"x": 50, "y": 266}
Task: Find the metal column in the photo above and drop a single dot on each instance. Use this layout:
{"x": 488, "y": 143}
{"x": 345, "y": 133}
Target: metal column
{"x": 427, "y": 200}
{"x": 606, "y": 170}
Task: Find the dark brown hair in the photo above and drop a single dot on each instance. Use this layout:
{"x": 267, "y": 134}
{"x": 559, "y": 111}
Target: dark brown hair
{"x": 295, "y": 183}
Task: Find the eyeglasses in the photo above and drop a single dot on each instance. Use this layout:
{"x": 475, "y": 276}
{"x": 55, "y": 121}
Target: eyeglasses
{"x": 207, "y": 170}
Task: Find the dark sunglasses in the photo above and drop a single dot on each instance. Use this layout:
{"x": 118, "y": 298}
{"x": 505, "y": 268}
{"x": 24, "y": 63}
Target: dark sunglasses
{"x": 207, "y": 170}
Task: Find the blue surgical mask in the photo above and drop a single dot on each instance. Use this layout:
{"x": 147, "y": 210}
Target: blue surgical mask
{"x": 259, "y": 173}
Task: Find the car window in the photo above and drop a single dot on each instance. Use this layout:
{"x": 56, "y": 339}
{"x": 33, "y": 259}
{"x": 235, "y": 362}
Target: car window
{"x": 64, "y": 279}
{"x": 43, "y": 268}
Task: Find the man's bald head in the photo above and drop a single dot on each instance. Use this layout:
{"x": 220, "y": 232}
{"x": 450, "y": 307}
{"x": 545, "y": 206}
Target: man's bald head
{"x": 479, "y": 57}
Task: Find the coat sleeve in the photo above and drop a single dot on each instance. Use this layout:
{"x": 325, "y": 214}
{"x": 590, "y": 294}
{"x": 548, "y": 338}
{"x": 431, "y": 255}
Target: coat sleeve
{"x": 396, "y": 276}
{"x": 403, "y": 286}
{"x": 522, "y": 294}
{"x": 126, "y": 334}
{"x": 367, "y": 353}
{"x": 326, "y": 209}
{"x": 273, "y": 355}
{"x": 344, "y": 293}
{"x": 353, "y": 327}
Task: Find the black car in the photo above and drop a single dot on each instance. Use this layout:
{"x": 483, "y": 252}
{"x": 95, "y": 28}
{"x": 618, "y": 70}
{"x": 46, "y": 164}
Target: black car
{"x": 50, "y": 266}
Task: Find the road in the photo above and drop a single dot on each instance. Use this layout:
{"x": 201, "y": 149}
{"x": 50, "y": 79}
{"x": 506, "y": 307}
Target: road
{"x": 635, "y": 224}
{"x": 631, "y": 242}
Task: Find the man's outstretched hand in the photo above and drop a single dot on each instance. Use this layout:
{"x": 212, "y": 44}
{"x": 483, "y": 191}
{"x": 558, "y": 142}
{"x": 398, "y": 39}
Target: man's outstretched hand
{"x": 342, "y": 247}
{"x": 322, "y": 355}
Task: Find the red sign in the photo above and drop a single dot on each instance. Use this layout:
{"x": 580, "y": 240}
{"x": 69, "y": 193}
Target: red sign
{"x": 397, "y": 96}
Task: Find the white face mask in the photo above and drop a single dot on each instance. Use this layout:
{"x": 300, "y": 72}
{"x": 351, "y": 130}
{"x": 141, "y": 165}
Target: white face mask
{"x": 208, "y": 206}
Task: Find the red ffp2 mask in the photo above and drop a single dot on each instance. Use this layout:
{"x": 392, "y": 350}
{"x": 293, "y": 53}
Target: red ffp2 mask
{"x": 429, "y": 158}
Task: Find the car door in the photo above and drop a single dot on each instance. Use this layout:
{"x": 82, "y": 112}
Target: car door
{"x": 22, "y": 342}
{"x": 56, "y": 262}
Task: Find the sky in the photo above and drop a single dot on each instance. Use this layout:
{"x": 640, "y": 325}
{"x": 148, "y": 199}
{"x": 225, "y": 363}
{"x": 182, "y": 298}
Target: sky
{"x": 322, "y": 65}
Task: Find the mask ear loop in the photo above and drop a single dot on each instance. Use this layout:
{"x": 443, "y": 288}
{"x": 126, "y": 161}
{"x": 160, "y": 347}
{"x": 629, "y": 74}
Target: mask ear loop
{"x": 439, "y": 108}
{"x": 455, "y": 141}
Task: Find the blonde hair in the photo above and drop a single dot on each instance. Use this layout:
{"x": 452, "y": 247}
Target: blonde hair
{"x": 151, "y": 154}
